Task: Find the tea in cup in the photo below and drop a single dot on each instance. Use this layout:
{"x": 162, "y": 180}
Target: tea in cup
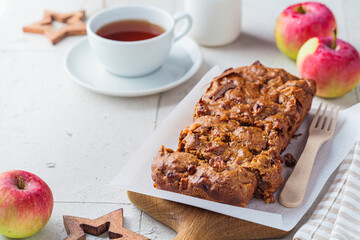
{"x": 132, "y": 41}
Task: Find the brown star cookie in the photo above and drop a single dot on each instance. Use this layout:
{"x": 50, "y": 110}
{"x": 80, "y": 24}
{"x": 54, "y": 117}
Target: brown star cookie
{"x": 113, "y": 222}
{"x": 74, "y": 25}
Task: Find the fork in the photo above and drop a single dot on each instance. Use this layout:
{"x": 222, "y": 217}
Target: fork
{"x": 320, "y": 131}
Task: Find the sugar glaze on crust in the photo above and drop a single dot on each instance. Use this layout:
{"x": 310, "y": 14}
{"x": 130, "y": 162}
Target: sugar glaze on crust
{"x": 231, "y": 151}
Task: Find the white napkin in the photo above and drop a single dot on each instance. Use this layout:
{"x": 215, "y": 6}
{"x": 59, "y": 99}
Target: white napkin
{"x": 338, "y": 214}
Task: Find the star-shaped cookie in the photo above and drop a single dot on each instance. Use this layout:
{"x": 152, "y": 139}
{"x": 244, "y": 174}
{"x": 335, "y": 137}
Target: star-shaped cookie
{"x": 74, "y": 25}
{"x": 76, "y": 227}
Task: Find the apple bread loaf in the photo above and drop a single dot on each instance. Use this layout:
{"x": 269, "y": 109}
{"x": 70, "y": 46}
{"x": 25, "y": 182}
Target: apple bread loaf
{"x": 231, "y": 151}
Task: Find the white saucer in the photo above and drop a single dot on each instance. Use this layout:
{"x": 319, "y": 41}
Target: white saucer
{"x": 183, "y": 62}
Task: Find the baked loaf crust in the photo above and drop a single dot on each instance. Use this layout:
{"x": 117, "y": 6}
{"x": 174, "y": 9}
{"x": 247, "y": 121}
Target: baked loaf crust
{"x": 231, "y": 152}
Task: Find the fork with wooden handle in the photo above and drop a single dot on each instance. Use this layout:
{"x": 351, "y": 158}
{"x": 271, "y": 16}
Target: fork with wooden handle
{"x": 320, "y": 131}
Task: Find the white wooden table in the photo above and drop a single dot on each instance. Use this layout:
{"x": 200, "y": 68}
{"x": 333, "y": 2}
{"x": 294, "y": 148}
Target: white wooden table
{"x": 77, "y": 140}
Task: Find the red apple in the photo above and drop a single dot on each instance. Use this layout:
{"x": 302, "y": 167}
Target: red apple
{"x": 333, "y": 64}
{"x": 300, "y": 22}
{"x": 26, "y": 203}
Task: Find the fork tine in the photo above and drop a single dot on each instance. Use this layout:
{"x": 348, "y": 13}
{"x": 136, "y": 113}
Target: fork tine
{"x": 327, "y": 123}
{"x": 316, "y": 117}
{"x": 332, "y": 127}
{"x": 322, "y": 118}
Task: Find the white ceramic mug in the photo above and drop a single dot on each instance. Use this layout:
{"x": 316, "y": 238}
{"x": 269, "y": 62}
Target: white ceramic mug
{"x": 135, "y": 58}
{"x": 215, "y": 22}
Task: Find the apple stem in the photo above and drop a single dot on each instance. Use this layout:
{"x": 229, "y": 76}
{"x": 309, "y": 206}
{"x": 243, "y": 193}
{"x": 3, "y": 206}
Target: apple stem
{"x": 334, "y": 42}
{"x": 301, "y": 10}
{"x": 21, "y": 183}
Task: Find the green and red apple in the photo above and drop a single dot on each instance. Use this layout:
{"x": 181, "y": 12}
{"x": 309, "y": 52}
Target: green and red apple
{"x": 333, "y": 64}
{"x": 300, "y": 22}
{"x": 26, "y": 204}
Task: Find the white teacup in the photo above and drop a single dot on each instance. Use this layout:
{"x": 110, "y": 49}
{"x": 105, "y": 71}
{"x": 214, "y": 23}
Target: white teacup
{"x": 135, "y": 58}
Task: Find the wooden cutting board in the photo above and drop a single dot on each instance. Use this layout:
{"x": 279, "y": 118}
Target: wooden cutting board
{"x": 192, "y": 223}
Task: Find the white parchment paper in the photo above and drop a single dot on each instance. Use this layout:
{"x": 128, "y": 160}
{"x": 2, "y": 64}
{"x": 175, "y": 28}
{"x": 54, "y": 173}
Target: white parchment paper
{"x": 136, "y": 174}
